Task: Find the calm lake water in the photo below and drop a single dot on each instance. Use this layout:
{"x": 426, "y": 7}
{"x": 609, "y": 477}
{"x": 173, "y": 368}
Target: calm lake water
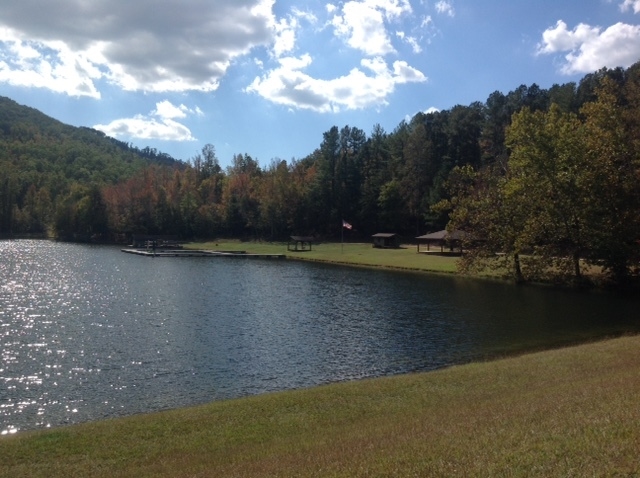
{"x": 88, "y": 332}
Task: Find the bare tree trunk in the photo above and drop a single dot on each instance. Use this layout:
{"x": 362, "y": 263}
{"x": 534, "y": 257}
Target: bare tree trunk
{"x": 576, "y": 266}
{"x": 517, "y": 270}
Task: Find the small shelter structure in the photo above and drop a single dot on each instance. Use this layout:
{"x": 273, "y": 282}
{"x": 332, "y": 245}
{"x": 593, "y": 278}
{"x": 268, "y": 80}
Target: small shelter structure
{"x": 300, "y": 243}
{"x": 385, "y": 240}
{"x": 451, "y": 240}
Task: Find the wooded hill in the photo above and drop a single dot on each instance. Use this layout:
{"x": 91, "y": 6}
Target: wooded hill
{"x": 48, "y": 168}
{"x": 461, "y": 164}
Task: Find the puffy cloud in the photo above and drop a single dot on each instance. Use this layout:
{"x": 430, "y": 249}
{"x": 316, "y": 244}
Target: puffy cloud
{"x": 27, "y": 64}
{"x": 591, "y": 48}
{"x": 285, "y": 37}
{"x": 630, "y": 5}
{"x": 403, "y": 73}
{"x": 76, "y": 46}
{"x": 363, "y": 28}
{"x": 288, "y": 85}
{"x": 429, "y": 110}
{"x": 160, "y": 124}
{"x": 68, "y": 45}
{"x": 362, "y": 24}
{"x": 167, "y": 110}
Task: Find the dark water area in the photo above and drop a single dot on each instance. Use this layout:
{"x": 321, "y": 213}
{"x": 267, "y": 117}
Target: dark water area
{"x": 88, "y": 332}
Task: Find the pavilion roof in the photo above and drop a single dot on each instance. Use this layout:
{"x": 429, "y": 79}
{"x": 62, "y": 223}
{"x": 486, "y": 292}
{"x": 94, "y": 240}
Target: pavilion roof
{"x": 444, "y": 235}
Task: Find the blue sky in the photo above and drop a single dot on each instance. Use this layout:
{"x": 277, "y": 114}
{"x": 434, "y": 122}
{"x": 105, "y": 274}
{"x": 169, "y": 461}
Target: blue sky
{"x": 268, "y": 77}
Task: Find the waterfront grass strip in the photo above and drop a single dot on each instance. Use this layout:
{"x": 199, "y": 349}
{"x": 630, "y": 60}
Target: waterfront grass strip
{"x": 566, "y": 412}
{"x": 360, "y": 254}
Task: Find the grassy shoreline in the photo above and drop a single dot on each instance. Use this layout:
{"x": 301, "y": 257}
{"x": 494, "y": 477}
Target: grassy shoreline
{"x": 564, "y": 412}
{"x": 352, "y": 254}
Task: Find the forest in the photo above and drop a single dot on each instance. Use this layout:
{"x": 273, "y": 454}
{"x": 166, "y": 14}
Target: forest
{"x": 546, "y": 180}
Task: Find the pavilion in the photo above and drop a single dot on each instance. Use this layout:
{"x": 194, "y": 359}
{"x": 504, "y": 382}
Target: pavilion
{"x": 450, "y": 239}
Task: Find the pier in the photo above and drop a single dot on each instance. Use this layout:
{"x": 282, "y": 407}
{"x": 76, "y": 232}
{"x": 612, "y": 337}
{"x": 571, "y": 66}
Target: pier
{"x": 198, "y": 253}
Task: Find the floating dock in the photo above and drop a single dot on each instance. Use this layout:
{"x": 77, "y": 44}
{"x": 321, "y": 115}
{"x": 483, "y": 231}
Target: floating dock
{"x": 199, "y": 253}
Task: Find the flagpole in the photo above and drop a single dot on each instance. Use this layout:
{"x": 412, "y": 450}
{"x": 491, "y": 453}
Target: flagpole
{"x": 342, "y": 238}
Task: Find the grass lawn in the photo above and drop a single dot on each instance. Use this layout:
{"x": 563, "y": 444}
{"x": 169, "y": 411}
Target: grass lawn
{"x": 566, "y": 412}
{"x": 362, "y": 254}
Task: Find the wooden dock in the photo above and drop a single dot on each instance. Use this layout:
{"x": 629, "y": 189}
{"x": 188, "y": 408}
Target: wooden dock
{"x": 198, "y": 253}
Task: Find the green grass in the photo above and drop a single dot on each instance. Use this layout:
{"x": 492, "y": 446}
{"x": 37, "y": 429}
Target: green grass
{"x": 360, "y": 254}
{"x": 566, "y": 412}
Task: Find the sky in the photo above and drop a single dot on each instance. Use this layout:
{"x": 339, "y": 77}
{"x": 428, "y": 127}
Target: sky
{"x": 268, "y": 77}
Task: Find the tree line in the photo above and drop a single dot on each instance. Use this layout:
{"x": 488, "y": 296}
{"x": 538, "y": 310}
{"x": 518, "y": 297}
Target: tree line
{"x": 566, "y": 197}
{"x": 536, "y": 175}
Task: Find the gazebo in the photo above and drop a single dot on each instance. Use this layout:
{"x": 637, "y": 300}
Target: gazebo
{"x": 443, "y": 238}
{"x": 385, "y": 240}
{"x": 300, "y": 243}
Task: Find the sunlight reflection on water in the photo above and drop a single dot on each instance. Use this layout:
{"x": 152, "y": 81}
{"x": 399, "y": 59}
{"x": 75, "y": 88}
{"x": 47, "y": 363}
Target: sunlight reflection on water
{"x": 87, "y": 332}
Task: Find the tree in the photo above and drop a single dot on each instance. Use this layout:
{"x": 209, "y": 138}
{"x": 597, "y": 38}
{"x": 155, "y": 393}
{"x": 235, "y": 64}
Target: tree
{"x": 490, "y": 215}
{"x": 240, "y": 197}
{"x": 375, "y": 172}
{"x": 392, "y": 207}
{"x": 420, "y": 167}
{"x": 547, "y": 176}
{"x": 613, "y": 175}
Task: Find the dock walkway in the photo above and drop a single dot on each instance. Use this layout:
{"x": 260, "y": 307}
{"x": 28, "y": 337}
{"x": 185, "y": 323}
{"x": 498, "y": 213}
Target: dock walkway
{"x": 199, "y": 253}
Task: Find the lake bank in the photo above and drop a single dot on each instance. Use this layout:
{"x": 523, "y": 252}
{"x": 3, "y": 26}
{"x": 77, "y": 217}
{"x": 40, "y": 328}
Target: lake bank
{"x": 564, "y": 412}
{"x": 404, "y": 258}
{"x": 353, "y": 254}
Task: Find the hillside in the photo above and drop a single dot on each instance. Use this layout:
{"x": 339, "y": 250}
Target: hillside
{"x": 42, "y": 161}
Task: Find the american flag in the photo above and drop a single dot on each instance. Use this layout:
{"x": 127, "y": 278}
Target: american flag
{"x": 346, "y": 225}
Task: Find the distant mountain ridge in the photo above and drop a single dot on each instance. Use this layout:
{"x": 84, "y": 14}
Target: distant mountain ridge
{"x": 27, "y": 123}
{"x": 45, "y": 164}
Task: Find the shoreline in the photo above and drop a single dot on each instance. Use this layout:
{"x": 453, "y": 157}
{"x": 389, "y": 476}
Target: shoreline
{"x": 436, "y": 263}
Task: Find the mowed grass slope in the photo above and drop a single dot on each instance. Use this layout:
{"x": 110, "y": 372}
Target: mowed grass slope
{"x": 362, "y": 254}
{"x": 566, "y": 412}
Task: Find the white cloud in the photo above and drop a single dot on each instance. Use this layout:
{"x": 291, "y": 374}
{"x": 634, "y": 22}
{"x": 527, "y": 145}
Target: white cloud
{"x": 403, "y": 73}
{"x": 630, "y": 5}
{"x": 445, "y": 7}
{"x": 411, "y": 41}
{"x": 75, "y": 48}
{"x": 285, "y": 37}
{"x": 24, "y": 63}
{"x": 591, "y": 48}
{"x": 427, "y": 21}
{"x": 68, "y": 46}
{"x": 310, "y": 17}
{"x": 363, "y": 29}
{"x": 561, "y": 39}
{"x": 160, "y": 124}
{"x": 288, "y": 85}
{"x": 167, "y": 110}
{"x": 430, "y": 110}
{"x": 362, "y": 24}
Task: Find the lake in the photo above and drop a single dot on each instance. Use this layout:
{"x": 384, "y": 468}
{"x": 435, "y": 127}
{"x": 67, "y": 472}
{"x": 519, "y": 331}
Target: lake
{"x": 88, "y": 332}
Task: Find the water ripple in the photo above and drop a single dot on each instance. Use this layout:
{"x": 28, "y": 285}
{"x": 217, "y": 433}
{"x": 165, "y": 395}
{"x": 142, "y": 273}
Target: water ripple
{"x": 87, "y": 332}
